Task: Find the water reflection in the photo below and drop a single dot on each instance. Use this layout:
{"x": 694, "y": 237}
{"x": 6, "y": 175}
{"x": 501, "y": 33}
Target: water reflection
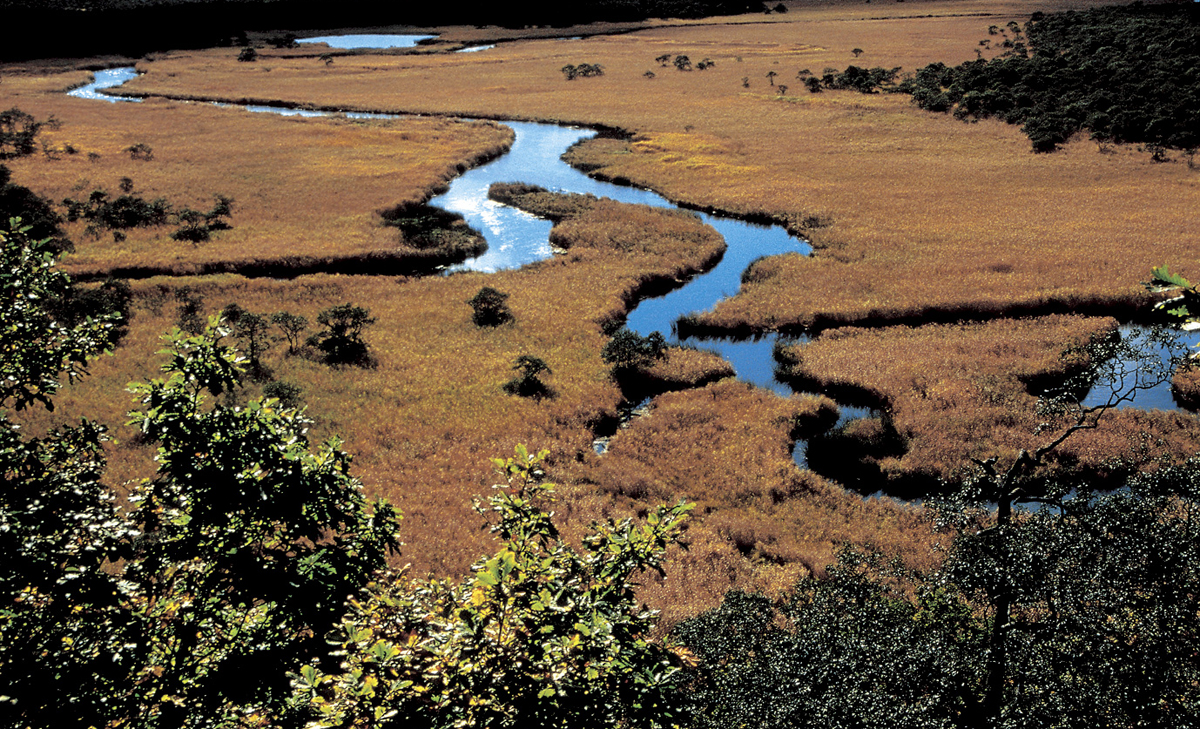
{"x": 106, "y": 79}
{"x": 361, "y": 41}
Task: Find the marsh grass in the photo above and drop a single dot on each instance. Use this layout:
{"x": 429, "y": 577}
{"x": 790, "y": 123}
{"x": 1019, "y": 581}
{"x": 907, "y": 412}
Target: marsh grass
{"x": 951, "y": 393}
{"x": 311, "y": 194}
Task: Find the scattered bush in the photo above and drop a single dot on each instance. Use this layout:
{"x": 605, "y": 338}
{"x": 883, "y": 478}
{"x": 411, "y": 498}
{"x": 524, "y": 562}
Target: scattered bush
{"x": 18, "y": 133}
{"x": 490, "y": 308}
{"x": 189, "y": 313}
{"x": 197, "y": 227}
{"x": 140, "y": 151}
{"x": 629, "y": 351}
{"x": 292, "y": 326}
{"x": 247, "y": 55}
{"x": 528, "y": 382}
{"x": 427, "y": 228}
{"x": 341, "y": 342}
{"x": 289, "y": 394}
{"x": 585, "y": 70}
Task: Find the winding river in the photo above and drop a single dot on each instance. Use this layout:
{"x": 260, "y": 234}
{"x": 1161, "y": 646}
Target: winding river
{"x": 516, "y": 238}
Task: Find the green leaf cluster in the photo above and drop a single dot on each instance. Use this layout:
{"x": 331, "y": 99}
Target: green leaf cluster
{"x": 236, "y": 558}
{"x": 540, "y": 634}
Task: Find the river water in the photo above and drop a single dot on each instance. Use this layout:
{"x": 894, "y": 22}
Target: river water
{"x": 516, "y": 238}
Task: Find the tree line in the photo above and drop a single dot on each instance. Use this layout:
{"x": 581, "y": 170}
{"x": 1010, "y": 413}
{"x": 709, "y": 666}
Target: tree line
{"x": 1123, "y": 74}
{"x": 98, "y": 27}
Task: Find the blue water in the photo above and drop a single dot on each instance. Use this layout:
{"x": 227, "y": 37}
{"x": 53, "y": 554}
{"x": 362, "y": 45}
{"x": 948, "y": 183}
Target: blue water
{"x": 106, "y": 79}
{"x": 367, "y": 41}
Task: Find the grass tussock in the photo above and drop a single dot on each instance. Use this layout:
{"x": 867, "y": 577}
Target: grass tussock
{"x": 950, "y": 393}
{"x": 685, "y": 368}
{"x": 1185, "y": 386}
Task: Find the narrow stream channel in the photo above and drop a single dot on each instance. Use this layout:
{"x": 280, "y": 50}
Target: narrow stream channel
{"x": 516, "y": 238}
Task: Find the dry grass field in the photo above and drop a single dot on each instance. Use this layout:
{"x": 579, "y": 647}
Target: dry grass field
{"x": 913, "y": 216}
{"x": 952, "y": 393}
{"x": 918, "y": 213}
{"x": 307, "y": 192}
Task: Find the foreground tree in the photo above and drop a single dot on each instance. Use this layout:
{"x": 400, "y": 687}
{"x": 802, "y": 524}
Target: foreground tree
{"x": 237, "y": 558}
{"x": 61, "y": 617}
{"x": 251, "y": 542}
{"x": 540, "y": 634}
{"x": 1062, "y": 602}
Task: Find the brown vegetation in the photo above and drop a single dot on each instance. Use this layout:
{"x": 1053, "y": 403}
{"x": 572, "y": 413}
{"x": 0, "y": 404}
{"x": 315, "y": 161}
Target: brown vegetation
{"x": 727, "y": 447}
{"x": 422, "y": 422}
{"x": 951, "y": 393}
{"x": 916, "y": 213}
{"x": 1185, "y": 386}
{"x": 308, "y": 194}
{"x": 685, "y": 368}
{"x": 913, "y": 215}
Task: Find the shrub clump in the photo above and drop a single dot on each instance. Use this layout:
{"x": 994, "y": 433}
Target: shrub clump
{"x": 489, "y": 307}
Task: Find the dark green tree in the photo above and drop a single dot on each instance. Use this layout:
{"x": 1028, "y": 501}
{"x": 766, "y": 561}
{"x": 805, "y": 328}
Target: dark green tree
{"x": 292, "y": 326}
{"x": 528, "y": 381}
{"x": 490, "y": 307}
{"x": 61, "y": 618}
{"x": 1057, "y": 599}
{"x": 341, "y": 341}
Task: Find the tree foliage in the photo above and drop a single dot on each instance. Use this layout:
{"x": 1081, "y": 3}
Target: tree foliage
{"x": 237, "y": 556}
{"x": 1057, "y": 599}
{"x": 539, "y": 635}
{"x": 250, "y": 542}
{"x": 1124, "y": 73}
{"x": 489, "y": 307}
{"x": 341, "y": 341}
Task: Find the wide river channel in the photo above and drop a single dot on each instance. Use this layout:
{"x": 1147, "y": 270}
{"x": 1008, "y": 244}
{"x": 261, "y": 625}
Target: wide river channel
{"x": 516, "y": 238}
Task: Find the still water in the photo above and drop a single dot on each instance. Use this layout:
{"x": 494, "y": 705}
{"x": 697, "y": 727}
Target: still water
{"x": 348, "y": 42}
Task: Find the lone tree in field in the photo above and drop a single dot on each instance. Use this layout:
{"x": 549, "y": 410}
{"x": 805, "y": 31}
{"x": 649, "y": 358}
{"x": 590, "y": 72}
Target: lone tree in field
{"x": 771, "y": 77}
{"x": 528, "y": 382}
{"x": 18, "y": 131}
{"x": 341, "y": 341}
{"x": 857, "y": 52}
{"x": 292, "y": 326}
{"x": 490, "y": 307}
